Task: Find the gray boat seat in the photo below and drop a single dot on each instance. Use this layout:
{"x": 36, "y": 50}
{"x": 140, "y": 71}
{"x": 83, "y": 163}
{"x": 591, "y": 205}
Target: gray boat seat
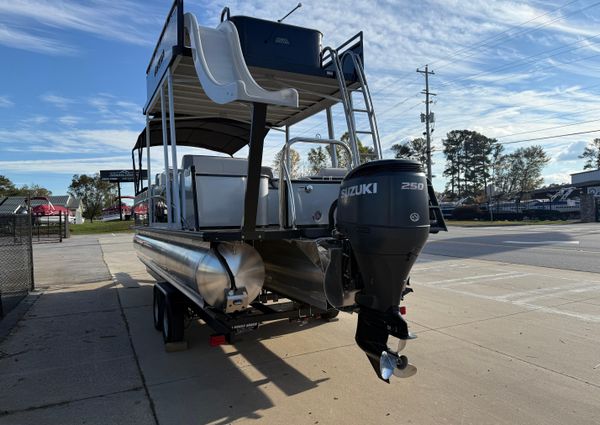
{"x": 217, "y": 165}
{"x": 221, "y": 165}
{"x": 330, "y": 174}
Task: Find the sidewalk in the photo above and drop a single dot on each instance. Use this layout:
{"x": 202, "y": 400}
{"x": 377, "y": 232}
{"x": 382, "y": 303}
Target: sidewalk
{"x": 70, "y": 359}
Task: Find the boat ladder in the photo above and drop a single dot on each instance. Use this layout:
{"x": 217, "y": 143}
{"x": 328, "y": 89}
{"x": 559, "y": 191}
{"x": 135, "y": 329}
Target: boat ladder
{"x": 350, "y": 110}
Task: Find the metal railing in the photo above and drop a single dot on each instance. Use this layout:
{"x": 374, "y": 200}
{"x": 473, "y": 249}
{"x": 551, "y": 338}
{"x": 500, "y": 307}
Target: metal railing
{"x": 49, "y": 228}
{"x": 285, "y": 175}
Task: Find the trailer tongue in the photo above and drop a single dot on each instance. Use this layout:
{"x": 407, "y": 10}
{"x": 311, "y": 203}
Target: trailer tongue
{"x": 225, "y": 236}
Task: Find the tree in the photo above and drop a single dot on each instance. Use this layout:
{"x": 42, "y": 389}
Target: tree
{"x": 7, "y": 187}
{"x": 591, "y": 154}
{"x": 294, "y": 163}
{"x": 93, "y": 192}
{"x": 468, "y": 161}
{"x": 318, "y": 158}
{"x": 452, "y": 150}
{"x": 415, "y": 148}
{"x": 520, "y": 171}
{"x": 402, "y": 150}
{"x": 34, "y": 190}
{"x": 343, "y": 159}
{"x": 365, "y": 153}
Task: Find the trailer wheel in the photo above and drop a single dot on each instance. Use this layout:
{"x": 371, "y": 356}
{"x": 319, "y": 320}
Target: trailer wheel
{"x": 329, "y": 315}
{"x": 173, "y": 323}
{"x": 158, "y": 308}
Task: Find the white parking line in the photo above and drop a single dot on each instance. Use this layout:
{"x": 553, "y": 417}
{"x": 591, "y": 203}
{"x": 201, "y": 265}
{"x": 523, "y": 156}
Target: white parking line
{"x": 543, "y": 242}
{"x": 528, "y": 301}
{"x": 439, "y": 283}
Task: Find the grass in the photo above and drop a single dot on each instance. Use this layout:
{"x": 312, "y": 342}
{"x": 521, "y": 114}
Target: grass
{"x": 499, "y": 223}
{"x": 89, "y": 228}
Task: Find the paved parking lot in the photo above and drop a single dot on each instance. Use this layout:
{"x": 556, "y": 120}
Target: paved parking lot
{"x": 498, "y": 343}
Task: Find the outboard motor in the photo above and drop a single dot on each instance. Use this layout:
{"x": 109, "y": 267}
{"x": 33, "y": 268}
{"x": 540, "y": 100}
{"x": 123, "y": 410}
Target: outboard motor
{"x": 383, "y": 213}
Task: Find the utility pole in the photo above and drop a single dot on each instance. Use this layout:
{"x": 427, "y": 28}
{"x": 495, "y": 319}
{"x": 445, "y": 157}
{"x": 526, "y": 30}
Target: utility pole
{"x": 427, "y": 118}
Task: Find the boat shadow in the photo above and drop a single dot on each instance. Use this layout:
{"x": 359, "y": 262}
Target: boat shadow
{"x": 204, "y": 384}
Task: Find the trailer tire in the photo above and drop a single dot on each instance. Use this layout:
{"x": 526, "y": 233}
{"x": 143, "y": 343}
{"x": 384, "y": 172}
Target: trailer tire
{"x": 173, "y": 321}
{"x": 329, "y": 315}
{"x": 158, "y": 308}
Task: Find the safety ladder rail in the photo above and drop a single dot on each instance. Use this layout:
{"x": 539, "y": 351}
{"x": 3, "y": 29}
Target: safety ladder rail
{"x": 369, "y": 107}
{"x": 347, "y": 102}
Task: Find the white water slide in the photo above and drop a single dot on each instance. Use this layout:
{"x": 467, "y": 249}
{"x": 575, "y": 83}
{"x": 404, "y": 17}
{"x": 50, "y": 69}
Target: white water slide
{"x": 222, "y": 70}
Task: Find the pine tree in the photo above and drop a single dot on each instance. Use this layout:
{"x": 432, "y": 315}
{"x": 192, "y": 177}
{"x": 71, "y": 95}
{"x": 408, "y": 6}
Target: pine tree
{"x": 591, "y": 154}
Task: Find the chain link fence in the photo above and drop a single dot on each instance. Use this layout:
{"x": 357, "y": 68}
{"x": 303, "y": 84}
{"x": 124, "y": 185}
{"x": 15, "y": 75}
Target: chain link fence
{"x": 16, "y": 260}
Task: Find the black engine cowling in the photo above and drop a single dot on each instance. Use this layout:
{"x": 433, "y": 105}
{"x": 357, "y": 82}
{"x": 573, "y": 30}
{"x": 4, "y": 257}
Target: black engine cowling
{"x": 383, "y": 211}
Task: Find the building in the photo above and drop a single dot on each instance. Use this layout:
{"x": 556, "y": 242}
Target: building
{"x": 16, "y": 204}
{"x": 589, "y": 183}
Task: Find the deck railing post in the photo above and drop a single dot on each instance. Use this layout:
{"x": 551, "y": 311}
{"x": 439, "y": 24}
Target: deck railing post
{"x": 149, "y": 186}
{"x": 173, "y": 139}
{"x": 331, "y": 135}
{"x": 166, "y": 153}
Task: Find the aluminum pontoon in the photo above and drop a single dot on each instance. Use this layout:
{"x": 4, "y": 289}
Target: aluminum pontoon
{"x": 226, "y": 236}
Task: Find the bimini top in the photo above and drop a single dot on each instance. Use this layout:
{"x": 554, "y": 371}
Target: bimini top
{"x": 217, "y": 134}
{"x": 218, "y": 73}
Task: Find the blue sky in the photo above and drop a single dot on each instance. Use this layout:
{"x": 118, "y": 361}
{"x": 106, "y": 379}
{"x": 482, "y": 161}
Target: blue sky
{"x": 73, "y": 75}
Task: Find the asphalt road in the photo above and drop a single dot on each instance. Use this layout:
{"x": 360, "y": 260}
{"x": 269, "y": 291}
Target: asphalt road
{"x": 568, "y": 247}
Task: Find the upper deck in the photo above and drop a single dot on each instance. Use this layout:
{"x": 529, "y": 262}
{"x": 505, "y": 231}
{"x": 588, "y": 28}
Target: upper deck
{"x": 278, "y": 56}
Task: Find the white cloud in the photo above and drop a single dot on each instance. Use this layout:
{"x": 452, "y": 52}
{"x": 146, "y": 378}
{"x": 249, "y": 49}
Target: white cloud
{"x": 69, "y": 120}
{"x": 66, "y": 166}
{"x": 572, "y": 152}
{"x": 35, "y": 120}
{"x": 58, "y": 101}
{"x": 124, "y": 21}
{"x": 18, "y": 39}
{"x": 558, "y": 178}
{"x": 5, "y": 102}
{"x": 80, "y": 141}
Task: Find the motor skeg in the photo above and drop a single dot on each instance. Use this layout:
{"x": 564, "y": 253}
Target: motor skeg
{"x": 383, "y": 211}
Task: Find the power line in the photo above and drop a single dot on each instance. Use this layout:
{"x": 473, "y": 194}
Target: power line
{"x": 561, "y": 114}
{"x": 548, "y": 128}
{"x": 404, "y": 110}
{"x": 474, "y": 86}
{"x": 395, "y": 81}
{"x": 407, "y": 74}
{"x": 339, "y": 115}
{"x": 550, "y": 137}
{"x": 486, "y": 41}
{"x": 525, "y": 31}
{"x": 526, "y": 60}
